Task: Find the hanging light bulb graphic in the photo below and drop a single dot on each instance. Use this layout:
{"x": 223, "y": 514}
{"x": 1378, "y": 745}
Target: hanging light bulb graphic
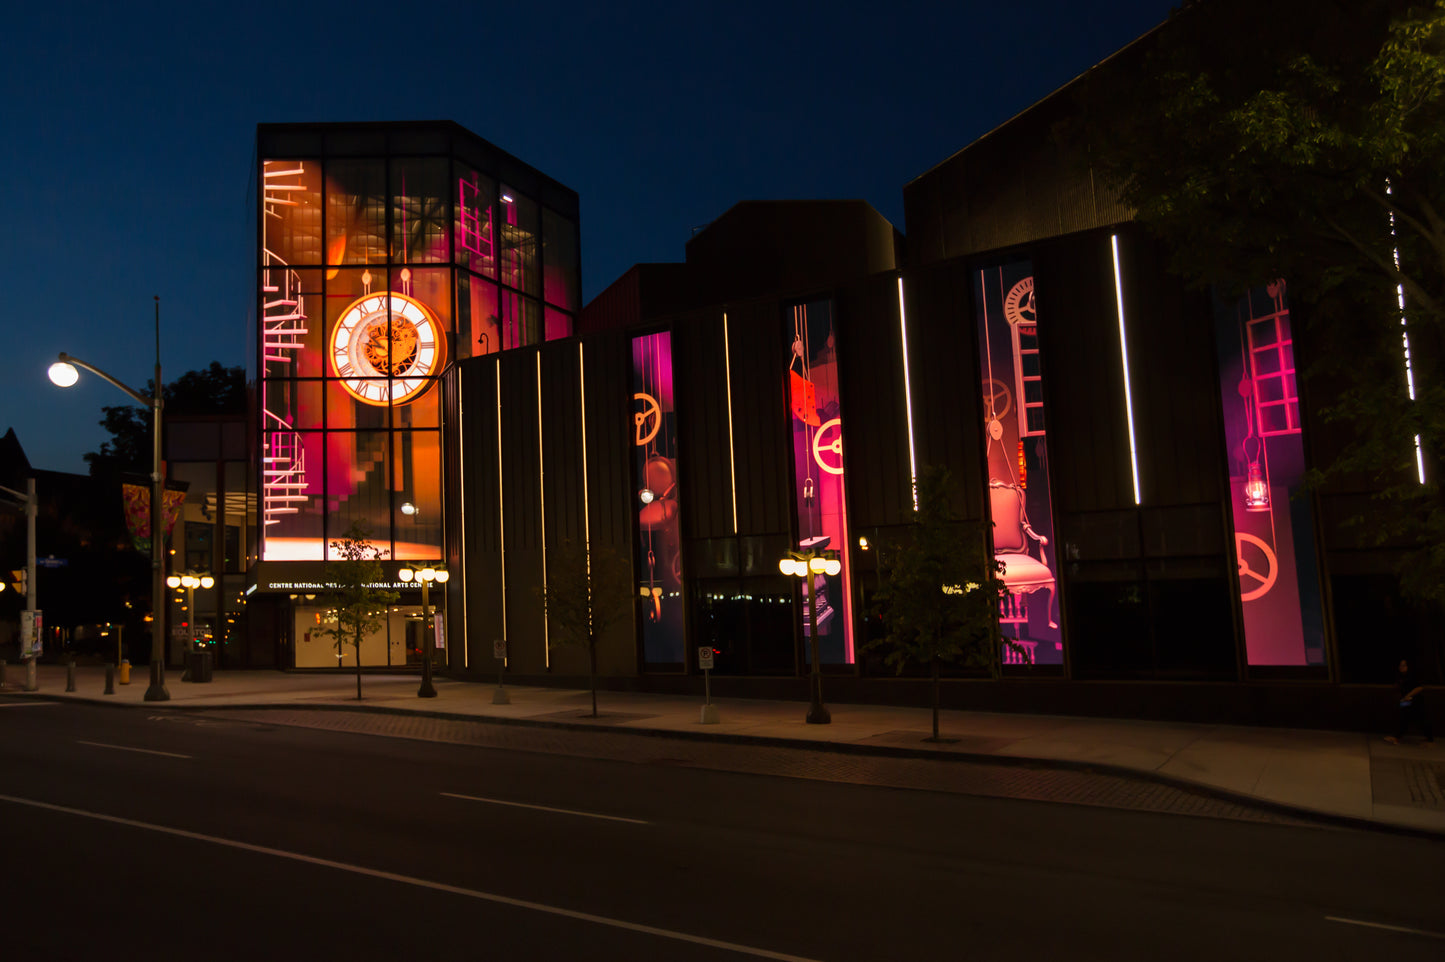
{"x": 1256, "y": 488}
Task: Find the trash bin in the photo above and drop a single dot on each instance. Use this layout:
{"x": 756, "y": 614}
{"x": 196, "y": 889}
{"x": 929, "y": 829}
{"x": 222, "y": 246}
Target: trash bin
{"x": 201, "y": 663}
{"x": 124, "y": 672}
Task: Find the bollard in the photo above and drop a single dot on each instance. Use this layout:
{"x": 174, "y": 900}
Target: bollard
{"x": 31, "y": 683}
{"x": 70, "y": 675}
{"x": 110, "y": 679}
{"x": 125, "y": 671}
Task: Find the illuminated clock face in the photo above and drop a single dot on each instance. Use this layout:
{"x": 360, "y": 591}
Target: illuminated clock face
{"x": 385, "y": 348}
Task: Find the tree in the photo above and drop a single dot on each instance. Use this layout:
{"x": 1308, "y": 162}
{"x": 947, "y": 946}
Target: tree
{"x": 588, "y": 592}
{"x": 939, "y": 590}
{"x": 360, "y": 605}
{"x": 1302, "y": 139}
{"x": 214, "y": 390}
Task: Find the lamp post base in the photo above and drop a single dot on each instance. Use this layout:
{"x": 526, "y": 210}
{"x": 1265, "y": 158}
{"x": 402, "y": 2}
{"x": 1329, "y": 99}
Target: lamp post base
{"x": 157, "y": 690}
{"x": 817, "y": 714}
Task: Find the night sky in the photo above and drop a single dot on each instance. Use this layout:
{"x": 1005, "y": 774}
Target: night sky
{"x": 129, "y": 134}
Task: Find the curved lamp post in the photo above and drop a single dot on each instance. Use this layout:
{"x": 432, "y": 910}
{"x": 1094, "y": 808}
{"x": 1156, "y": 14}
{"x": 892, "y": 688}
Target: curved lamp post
{"x": 424, "y": 576}
{"x": 64, "y": 374}
{"x": 808, "y": 565}
{"x": 190, "y": 582}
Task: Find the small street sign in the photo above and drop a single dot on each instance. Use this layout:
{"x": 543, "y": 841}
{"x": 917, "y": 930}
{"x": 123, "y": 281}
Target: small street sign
{"x": 499, "y": 649}
{"x": 704, "y": 656}
{"x": 50, "y": 561}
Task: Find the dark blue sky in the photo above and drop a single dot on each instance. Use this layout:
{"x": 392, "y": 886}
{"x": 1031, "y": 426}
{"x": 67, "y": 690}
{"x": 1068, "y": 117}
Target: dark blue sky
{"x": 129, "y": 132}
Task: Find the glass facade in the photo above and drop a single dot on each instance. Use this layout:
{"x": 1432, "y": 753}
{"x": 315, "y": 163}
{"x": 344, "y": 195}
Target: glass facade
{"x": 375, "y": 273}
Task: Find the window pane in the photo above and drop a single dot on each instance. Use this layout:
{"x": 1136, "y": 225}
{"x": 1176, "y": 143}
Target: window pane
{"x": 359, "y": 487}
{"x": 417, "y": 456}
{"x": 521, "y": 320}
{"x": 559, "y": 324}
{"x": 291, "y": 212}
{"x": 294, "y": 404}
{"x": 291, "y": 501}
{"x": 293, "y": 322}
{"x": 475, "y": 238}
{"x": 518, "y": 242}
{"x": 355, "y": 212}
{"x": 419, "y": 199}
{"x": 560, "y": 261}
{"x": 479, "y": 325}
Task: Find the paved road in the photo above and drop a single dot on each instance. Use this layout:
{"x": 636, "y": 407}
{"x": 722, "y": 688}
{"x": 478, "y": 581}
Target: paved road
{"x": 134, "y": 834}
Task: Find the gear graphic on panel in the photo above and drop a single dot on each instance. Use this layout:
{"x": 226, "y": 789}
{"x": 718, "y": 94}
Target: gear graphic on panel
{"x": 834, "y": 446}
{"x": 1263, "y": 582}
{"x": 1018, "y": 305}
{"x": 648, "y": 420}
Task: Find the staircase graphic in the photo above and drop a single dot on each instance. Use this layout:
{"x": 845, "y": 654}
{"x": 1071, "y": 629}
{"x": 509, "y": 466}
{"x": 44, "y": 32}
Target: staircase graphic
{"x": 283, "y": 325}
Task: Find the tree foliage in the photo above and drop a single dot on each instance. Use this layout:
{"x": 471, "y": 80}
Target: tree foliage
{"x": 359, "y": 605}
{"x": 588, "y": 593}
{"x": 939, "y": 589}
{"x": 1303, "y": 140}
{"x": 213, "y": 390}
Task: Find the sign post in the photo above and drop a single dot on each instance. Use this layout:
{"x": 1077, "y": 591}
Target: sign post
{"x": 705, "y": 662}
{"x": 499, "y": 652}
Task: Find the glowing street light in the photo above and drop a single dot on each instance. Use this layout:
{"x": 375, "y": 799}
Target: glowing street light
{"x": 425, "y": 576}
{"x": 63, "y": 373}
{"x": 808, "y": 565}
{"x": 190, "y": 582}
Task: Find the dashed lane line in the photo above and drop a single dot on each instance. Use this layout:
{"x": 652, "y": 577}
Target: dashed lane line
{"x": 544, "y": 808}
{"x": 492, "y": 897}
{"x": 127, "y": 748}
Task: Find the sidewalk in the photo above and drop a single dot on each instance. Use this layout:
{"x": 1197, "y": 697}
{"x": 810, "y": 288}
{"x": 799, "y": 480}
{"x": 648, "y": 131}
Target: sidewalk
{"x": 1350, "y": 779}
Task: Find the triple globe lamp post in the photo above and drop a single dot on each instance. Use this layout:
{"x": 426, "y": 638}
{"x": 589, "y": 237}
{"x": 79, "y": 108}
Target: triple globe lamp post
{"x": 424, "y": 576}
{"x": 190, "y": 582}
{"x": 808, "y": 565}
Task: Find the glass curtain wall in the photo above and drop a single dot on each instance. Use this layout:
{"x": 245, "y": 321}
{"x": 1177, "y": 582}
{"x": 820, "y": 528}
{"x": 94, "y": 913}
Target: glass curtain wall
{"x": 374, "y": 274}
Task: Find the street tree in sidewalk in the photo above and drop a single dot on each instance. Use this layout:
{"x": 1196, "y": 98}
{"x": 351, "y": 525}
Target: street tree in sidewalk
{"x": 589, "y": 591}
{"x": 939, "y": 589}
{"x": 1301, "y": 139}
{"x": 358, "y": 602}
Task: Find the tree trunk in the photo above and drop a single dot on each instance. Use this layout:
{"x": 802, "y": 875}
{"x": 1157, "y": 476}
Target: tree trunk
{"x": 935, "y": 697}
{"x": 592, "y": 668}
{"x": 358, "y": 665}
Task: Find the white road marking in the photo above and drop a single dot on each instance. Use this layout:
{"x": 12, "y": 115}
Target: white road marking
{"x": 544, "y": 808}
{"x": 419, "y": 882}
{"x": 1388, "y": 928}
{"x": 123, "y": 748}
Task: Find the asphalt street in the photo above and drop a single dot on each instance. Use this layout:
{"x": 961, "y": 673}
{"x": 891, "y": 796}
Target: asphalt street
{"x": 140, "y": 834}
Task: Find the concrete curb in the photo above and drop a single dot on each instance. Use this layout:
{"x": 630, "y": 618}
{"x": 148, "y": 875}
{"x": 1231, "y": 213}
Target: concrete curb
{"x": 843, "y": 748}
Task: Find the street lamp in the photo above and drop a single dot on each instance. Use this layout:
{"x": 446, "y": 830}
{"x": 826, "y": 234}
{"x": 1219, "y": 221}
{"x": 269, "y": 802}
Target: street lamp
{"x": 64, "y": 374}
{"x": 808, "y": 565}
{"x": 190, "y": 582}
{"x": 425, "y": 576}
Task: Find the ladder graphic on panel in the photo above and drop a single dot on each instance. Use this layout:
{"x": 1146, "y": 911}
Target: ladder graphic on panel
{"x": 283, "y": 325}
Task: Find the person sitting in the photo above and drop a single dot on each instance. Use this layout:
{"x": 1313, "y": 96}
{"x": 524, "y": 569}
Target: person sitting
{"x": 1411, "y": 706}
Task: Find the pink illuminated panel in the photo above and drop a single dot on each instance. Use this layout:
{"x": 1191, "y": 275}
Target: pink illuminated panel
{"x": 1279, "y": 587}
{"x": 1020, "y": 503}
{"x": 659, "y": 539}
{"x": 816, "y": 415}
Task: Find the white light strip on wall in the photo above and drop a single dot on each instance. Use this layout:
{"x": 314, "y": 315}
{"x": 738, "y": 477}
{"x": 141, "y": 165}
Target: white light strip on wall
{"x": 907, "y": 395}
{"x": 542, "y": 504}
{"x": 462, "y": 535}
{"x": 732, "y": 461}
{"x": 586, "y": 509}
{"x": 1405, "y": 341}
{"x": 501, "y": 512}
{"x": 1124, "y": 356}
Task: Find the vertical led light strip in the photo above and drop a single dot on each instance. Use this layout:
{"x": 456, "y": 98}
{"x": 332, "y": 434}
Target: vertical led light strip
{"x": 907, "y": 396}
{"x": 1405, "y": 338}
{"x": 462, "y": 535}
{"x": 732, "y": 461}
{"x": 542, "y": 503}
{"x": 1124, "y": 356}
{"x": 501, "y": 512}
{"x": 586, "y": 509}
